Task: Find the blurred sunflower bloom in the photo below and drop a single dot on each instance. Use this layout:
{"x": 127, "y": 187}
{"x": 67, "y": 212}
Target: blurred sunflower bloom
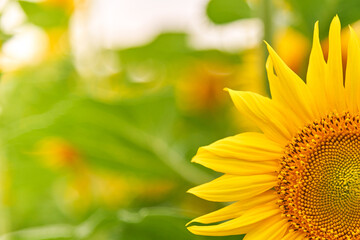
{"x": 201, "y": 88}
{"x": 85, "y": 187}
{"x": 57, "y": 153}
{"x": 58, "y": 36}
{"x": 58, "y": 43}
{"x": 67, "y": 5}
{"x": 299, "y": 179}
{"x": 293, "y": 48}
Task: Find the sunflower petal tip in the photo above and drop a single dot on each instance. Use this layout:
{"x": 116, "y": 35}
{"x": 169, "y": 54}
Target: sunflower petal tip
{"x": 316, "y": 33}
{"x": 270, "y": 50}
{"x": 191, "y": 191}
{"x": 194, "y": 159}
{"x": 267, "y": 44}
{"x": 351, "y": 29}
{"x": 190, "y": 229}
{"x": 316, "y": 26}
{"x": 230, "y": 91}
{"x": 195, "y": 230}
{"x": 335, "y": 21}
{"x": 188, "y": 223}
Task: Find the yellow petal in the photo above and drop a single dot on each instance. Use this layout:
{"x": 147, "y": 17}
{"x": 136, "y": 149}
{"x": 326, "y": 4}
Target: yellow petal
{"x": 248, "y": 146}
{"x": 276, "y": 89}
{"x": 219, "y": 231}
{"x": 272, "y": 228}
{"x": 266, "y": 115}
{"x": 241, "y": 224}
{"x": 294, "y": 236}
{"x": 229, "y": 212}
{"x": 243, "y": 154}
{"x": 334, "y": 73}
{"x": 352, "y": 82}
{"x": 269, "y": 196}
{"x": 288, "y": 88}
{"x": 236, "y": 209}
{"x": 316, "y": 73}
{"x": 229, "y": 188}
{"x": 235, "y": 166}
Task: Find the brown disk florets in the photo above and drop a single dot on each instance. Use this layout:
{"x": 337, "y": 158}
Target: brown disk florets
{"x": 319, "y": 179}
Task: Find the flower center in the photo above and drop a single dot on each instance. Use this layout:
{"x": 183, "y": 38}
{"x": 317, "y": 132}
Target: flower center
{"x": 319, "y": 179}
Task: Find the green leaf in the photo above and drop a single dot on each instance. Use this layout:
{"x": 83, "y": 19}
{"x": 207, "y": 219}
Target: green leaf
{"x": 225, "y": 11}
{"x": 166, "y": 47}
{"x": 59, "y": 231}
{"x": 4, "y": 37}
{"x": 43, "y": 15}
{"x": 171, "y": 48}
{"x": 164, "y": 61}
{"x": 307, "y": 12}
{"x": 130, "y": 137}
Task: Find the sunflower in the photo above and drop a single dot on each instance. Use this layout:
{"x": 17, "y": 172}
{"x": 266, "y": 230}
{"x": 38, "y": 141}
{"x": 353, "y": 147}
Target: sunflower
{"x": 300, "y": 177}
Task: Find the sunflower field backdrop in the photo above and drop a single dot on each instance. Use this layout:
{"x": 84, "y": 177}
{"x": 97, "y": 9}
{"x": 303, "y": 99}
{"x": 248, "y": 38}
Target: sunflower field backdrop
{"x": 96, "y": 140}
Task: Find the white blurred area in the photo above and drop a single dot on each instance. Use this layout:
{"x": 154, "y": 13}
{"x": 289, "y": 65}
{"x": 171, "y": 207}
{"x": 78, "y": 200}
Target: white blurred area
{"x": 121, "y": 24}
{"x": 28, "y": 44}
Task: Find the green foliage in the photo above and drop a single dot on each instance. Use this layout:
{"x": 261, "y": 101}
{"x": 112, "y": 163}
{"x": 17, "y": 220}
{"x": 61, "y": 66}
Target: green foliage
{"x": 307, "y": 12}
{"x": 129, "y": 138}
{"x": 164, "y": 59}
{"x": 172, "y": 48}
{"x": 225, "y": 11}
{"x": 166, "y": 47}
{"x": 45, "y": 16}
{"x": 4, "y": 37}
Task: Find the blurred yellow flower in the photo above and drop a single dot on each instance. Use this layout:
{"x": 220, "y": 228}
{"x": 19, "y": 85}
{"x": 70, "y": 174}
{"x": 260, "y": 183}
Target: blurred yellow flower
{"x": 58, "y": 153}
{"x": 75, "y": 196}
{"x": 58, "y": 42}
{"x": 248, "y": 77}
{"x": 292, "y": 47}
{"x": 58, "y": 37}
{"x": 113, "y": 191}
{"x": 299, "y": 179}
{"x": 201, "y": 87}
{"x": 68, "y": 5}
{"x": 86, "y": 187}
{"x": 93, "y": 188}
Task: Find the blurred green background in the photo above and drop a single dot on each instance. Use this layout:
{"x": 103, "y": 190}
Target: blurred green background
{"x": 96, "y": 140}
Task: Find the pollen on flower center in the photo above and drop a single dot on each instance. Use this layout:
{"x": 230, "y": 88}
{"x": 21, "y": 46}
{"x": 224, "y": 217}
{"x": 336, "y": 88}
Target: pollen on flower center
{"x": 319, "y": 179}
